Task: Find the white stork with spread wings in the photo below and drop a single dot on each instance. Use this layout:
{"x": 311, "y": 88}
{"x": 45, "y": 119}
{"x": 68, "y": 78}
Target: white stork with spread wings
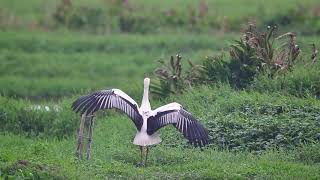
{"x": 147, "y": 121}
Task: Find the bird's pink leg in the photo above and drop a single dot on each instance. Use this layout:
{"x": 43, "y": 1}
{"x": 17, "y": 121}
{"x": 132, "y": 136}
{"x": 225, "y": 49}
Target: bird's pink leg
{"x": 147, "y": 151}
{"x": 141, "y": 154}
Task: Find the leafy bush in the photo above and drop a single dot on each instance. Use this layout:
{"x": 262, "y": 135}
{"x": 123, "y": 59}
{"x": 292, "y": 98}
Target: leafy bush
{"x": 172, "y": 79}
{"x": 262, "y": 127}
{"x": 257, "y": 52}
{"x": 216, "y": 69}
{"x": 302, "y": 82}
{"x": 24, "y": 117}
{"x": 250, "y": 121}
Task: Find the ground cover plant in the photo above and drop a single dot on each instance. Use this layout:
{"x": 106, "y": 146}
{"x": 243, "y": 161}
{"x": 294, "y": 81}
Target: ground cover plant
{"x": 270, "y": 125}
{"x": 264, "y": 126}
{"x": 129, "y": 16}
{"x": 50, "y": 66}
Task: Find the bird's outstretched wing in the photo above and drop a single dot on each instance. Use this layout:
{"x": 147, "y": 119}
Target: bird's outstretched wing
{"x": 108, "y": 99}
{"x": 173, "y": 113}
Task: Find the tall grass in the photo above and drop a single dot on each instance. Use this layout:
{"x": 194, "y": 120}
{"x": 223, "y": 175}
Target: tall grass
{"x": 304, "y": 81}
{"x": 51, "y": 66}
{"x": 246, "y": 121}
{"x": 37, "y": 120}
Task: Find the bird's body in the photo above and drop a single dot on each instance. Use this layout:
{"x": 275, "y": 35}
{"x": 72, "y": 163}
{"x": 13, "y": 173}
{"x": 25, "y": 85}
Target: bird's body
{"x": 142, "y": 138}
{"x": 146, "y": 120}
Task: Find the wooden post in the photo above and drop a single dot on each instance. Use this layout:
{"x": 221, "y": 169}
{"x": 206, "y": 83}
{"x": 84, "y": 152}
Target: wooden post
{"x": 80, "y": 136}
{"x": 90, "y": 133}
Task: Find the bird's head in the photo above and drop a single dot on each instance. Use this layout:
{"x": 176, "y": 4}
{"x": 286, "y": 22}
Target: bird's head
{"x": 146, "y": 82}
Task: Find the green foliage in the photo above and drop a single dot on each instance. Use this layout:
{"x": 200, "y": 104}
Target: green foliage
{"x": 86, "y": 18}
{"x": 141, "y": 16}
{"x": 304, "y": 19}
{"x": 114, "y": 157}
{"x": 23, "y": 169}
{"x": 262, "y": 127}
{"x": 257, "y": 53}
{"x": 92, "y": 19}
{"x": 172, "y": 79}
{"x": 24, "y": 117}
{"x": 63, "y": 12}
{"x": 243, "y": 65}
{"x": 216, "y": 69}
{"x": 308, "y": 154}
{"x": 252, "y": 121}
{"x": 48, "y": 65}
{"x": 37, "y": 64}
{"x": 303, "y": 81}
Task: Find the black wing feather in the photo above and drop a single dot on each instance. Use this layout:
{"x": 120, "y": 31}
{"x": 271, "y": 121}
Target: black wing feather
{"x": 183, "y": 122}
{"x": 107, "y": 99}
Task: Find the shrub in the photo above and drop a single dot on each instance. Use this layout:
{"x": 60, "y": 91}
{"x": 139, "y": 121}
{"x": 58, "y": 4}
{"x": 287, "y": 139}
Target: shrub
{"x": 216, "y": 69}
{"x": 24, "y": 117}
{"x": 301, "y": 82}
{"x": 258, "y": 52}
{"x": 172, "y": 78}
{"x": 250, "y": 121}
{"x": 262, "y": 127}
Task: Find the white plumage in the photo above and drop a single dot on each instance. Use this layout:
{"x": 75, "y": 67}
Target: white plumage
{"x": 147, "y": 121}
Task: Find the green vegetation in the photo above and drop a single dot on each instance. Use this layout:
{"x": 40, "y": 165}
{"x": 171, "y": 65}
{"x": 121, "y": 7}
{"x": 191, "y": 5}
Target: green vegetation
{"x": 48, "y": 65}
{"x": 263, "y": 123}
{"x": 24, "y": 117}
{"x": 141, "y": 16}
{"x": 115, "y": 158}
{"x": 248, "y": 121}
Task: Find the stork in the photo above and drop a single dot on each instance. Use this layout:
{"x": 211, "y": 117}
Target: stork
{"x": 146, "y": 120}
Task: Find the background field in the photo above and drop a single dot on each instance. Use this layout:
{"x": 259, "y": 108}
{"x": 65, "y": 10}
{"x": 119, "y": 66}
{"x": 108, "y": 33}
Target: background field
{"x": 270, "y": 130}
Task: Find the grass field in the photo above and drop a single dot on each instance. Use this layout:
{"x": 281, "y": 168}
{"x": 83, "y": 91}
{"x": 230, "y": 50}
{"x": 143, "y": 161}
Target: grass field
{"x": 114, "y": 157}
{"x": 270, "y": 130}
{"x": 73, "y": 63}
{"x": 234, "y": 9}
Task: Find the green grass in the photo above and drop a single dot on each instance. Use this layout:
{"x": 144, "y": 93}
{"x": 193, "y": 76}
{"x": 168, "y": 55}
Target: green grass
{"x": 219, "y": 8}
{"x": 52, "y": 65}
{"x": 115, "y": 157}
{"x": 103, "y": 16}
{"x": 42, "y": 65}
{"x": 248, "y": 121}
{"x": 270, "y": 131}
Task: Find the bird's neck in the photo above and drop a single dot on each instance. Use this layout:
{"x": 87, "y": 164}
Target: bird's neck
{"x": 145, "y": 99}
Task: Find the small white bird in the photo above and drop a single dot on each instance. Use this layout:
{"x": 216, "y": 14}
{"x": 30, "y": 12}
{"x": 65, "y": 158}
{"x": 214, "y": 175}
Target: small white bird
{"x": 147, "y": 121}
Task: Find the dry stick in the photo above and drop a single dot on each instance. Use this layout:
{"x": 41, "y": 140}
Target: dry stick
{"x": 80, "y": 136}
{"x": 90, "y": 132}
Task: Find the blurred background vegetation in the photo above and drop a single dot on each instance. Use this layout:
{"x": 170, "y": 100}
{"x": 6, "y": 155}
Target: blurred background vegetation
{"x": 249, "y": 70}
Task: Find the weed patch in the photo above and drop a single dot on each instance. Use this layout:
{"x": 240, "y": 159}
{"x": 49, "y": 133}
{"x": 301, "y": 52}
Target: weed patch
{"x": 26, "y": 169}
